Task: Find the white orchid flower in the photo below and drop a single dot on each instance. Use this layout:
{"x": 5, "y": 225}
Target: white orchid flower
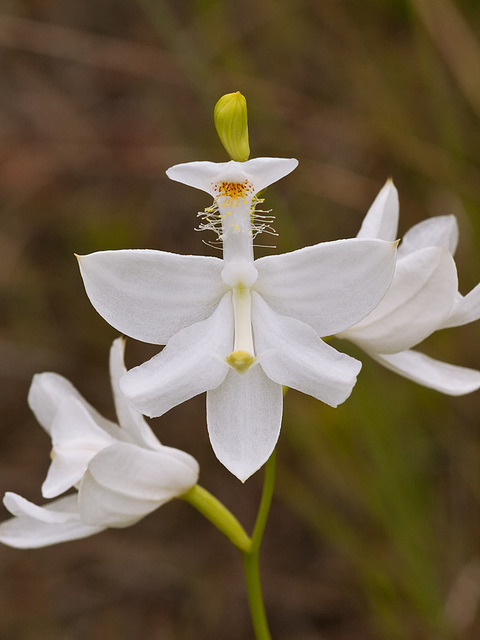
{"x": 238, "y": 328}
{"x": 422, "y": 299}
{"x": 121, "y": 471}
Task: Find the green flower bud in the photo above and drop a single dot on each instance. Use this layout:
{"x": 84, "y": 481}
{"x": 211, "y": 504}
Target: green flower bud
{"x": 230, "y": 116}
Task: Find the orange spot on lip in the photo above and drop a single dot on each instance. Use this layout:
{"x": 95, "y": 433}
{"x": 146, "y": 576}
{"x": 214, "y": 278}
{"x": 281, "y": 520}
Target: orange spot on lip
{"x": 234, "y": 190}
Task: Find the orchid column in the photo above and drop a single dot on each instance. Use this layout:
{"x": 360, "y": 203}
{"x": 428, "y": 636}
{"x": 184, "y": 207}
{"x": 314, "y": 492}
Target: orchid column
{"x": 232, "y": 216}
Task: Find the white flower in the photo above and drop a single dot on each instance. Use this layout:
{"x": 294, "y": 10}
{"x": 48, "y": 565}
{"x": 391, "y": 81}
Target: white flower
{"x": 422, "y": 299}
{"x": 122, "y": 472}
{"x": 238, "y": 328}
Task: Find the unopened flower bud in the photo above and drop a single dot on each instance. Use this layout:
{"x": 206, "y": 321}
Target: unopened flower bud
{"x": 230, "y": 116}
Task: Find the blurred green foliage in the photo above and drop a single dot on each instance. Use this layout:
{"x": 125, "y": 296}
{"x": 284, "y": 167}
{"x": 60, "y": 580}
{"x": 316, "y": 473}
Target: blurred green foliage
{"x": 376, "y": 527}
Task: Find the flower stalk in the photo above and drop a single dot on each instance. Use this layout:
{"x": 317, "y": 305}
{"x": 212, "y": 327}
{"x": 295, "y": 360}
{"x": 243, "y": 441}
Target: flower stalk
{"x": 216, "y": 513}
{"x": 251, "y": 557}
{"x": 225, "y": 521}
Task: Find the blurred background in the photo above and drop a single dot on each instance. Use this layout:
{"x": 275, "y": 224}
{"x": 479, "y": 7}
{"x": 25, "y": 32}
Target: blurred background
{"x": 374, "y": 532}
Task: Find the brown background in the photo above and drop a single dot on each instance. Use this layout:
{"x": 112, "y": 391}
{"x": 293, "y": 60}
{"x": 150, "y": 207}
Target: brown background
{"x": 374, "y": 531}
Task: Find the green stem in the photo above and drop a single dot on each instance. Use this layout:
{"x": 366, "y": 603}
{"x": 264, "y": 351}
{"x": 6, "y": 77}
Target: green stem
{"x": 218, "y": 515}
{"x": 251, "y": 556}
{"x": 255, "y": 597}
{"x": 226, "y": 522}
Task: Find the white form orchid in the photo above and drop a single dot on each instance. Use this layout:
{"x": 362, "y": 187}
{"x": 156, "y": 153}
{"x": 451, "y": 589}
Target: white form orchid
{"x": 422, "y": 299}
{"x": 238, "y": 328}
{"x": 122, "y": 472}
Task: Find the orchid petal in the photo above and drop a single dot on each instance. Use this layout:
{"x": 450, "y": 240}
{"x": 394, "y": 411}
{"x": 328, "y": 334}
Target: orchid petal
{"x": 465, "y": 309}
{"x": 151, "y": 295}
{"x": 125, "y": 482}
{"x": 381, "y": 220}
{"x": 330, "y": 286}
{"x": 292, "y": 354}
{"x": 191, "y": 363}
{"x": 130, "y": 420}
{"x": 440, "y": 231}
{"x": 243, "y": 416}
{"x": 56, "y": 512}
{"x": 35, "y": 527}
{"x": 420, "y": 297}
{"x": 46, "y": 394}
{"x": 76, "y": 438}
{"x": 444, "y": 377}
{"x": 260, "y": 172}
